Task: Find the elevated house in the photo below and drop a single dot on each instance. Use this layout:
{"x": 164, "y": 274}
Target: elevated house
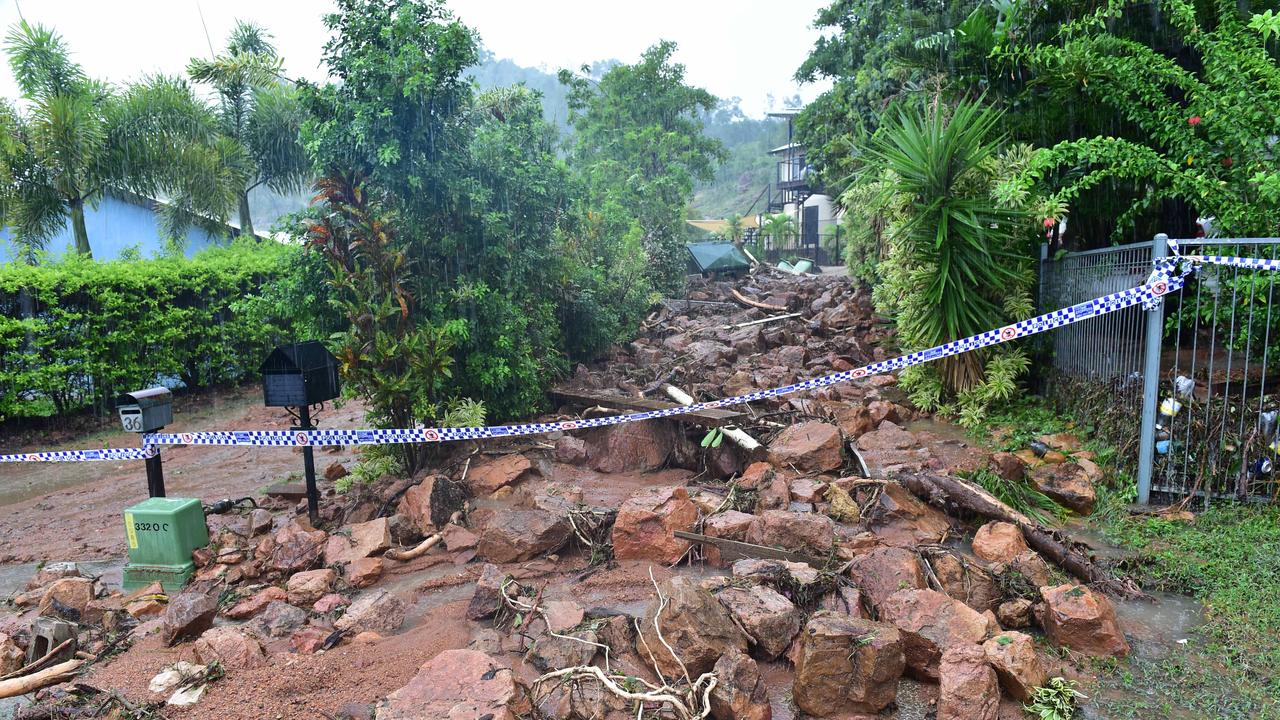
{"x": 794, "y": 192}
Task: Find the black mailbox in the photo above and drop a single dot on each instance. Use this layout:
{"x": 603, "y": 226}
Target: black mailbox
{"x": 299, "y": 375}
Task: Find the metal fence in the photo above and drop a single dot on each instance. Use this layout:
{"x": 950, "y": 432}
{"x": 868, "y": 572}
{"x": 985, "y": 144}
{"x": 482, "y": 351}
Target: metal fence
{"x": 1105, "y": 353}
{"x": 1188, "y": 393}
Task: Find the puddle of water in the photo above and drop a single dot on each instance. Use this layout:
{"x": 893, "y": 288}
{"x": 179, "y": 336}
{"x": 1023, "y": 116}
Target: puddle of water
{"x": 1097, "y": 543}
{"x": 939, "y": 429}
{"x": 1154, "y": 628}
{"x": 422, "y": 602}
{"x": 14, "y": 577}
{"x": 778, "y": 677}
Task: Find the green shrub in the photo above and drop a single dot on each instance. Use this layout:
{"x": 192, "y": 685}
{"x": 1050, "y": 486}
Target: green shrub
{"x": 73, "y": 334}
{"x": 376, "y": 462}
{"x": 944, "y": 228}
{"x": 1054, "y": 701}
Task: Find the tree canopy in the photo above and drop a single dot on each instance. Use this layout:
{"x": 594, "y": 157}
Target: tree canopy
{"x": 78, "y": 138}
{"x": 1105, "y": 88}
{"x": 639, "y": 145}
{"x": 259, "y": 111}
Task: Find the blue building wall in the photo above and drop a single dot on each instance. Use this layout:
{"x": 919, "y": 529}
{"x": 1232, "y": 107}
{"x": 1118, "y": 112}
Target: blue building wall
{"x": 115, "y": 224}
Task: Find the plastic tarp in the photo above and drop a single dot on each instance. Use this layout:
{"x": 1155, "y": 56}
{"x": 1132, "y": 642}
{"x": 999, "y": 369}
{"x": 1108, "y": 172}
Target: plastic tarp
{"x": 717, "y": 257}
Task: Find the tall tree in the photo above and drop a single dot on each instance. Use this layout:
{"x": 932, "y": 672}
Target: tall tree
{"x": 79, "y": 138}
{"x": 874, "y": 51}
{"x": 259, "y": 111}
{"x": 639, "y": 142}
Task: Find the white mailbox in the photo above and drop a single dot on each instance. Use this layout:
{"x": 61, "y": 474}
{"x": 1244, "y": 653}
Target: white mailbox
{"x": 145, "y": 411}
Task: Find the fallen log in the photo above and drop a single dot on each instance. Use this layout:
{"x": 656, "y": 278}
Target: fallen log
{"x": 407, "y": 554}
{"x": 761, "y": 321}
{"x": 43, "y": 660}
{"x": 61, "y": 672}
{"x": 740, "y": 437}
{"x": 707, "y": 418}
{"x": 755, "y": 303}
{"x": 954, "y": 496}
{"x": 737, "y": 550}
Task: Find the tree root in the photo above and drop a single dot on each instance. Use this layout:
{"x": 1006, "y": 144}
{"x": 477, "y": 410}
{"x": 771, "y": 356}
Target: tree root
{"x": 951, "y": 494}
{"x": 689, "y": 700}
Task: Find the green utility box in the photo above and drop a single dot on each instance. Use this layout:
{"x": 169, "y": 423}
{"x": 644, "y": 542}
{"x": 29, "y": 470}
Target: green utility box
{"x": 161, "y": 533}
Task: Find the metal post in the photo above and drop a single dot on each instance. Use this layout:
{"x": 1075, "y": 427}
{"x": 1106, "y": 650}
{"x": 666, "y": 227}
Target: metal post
{"x": 1151, "y": 383}
{"x": 1040, "y": 272}
{"x": 309, "y": 468}
{"x": 155, "y": 475}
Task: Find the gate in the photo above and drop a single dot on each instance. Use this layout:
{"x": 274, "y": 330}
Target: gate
{"x": 809, "y": 227}
{"x": 1187, "y": 393}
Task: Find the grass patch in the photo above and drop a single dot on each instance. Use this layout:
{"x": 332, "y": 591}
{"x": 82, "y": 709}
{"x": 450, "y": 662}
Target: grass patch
{"x": 1014, "y": 425}
{"x": 1229, "y": 560}
{"x": 1186, "y": 685}
{"x": 1020, "y": 496}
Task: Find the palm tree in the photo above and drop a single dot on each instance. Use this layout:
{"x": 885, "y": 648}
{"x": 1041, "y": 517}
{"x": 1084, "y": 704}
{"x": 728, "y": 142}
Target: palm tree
{"x": 79, "y": 138}
{"x": 781, "y": 227}
{"x": 258, "y": 111}
{"x": 733, "y": 229}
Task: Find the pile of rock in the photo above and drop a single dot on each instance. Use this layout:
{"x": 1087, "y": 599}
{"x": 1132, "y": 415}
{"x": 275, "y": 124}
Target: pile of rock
{"x": 703, "y": 347}
{"x": 892, "y": 601}
{"x": 873, "y": 586}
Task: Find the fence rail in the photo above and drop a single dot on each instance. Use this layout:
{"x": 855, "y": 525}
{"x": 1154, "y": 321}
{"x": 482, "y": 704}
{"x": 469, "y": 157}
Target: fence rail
{"x": 1187, "y": 393}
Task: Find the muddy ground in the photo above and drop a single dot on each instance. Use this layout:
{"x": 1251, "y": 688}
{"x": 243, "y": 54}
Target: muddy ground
{"x": 72, "y": 512}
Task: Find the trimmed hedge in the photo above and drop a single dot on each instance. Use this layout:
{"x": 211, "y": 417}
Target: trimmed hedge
{"x": 75, "y": 333}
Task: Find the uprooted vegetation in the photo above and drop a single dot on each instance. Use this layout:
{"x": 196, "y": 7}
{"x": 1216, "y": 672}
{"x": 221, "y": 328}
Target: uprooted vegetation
{"x": 636, "y": 571}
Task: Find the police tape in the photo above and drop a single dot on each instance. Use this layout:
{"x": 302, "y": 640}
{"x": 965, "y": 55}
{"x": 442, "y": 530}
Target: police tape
{"x": 1169, "y": 275}
{"x": 141, "y": 453}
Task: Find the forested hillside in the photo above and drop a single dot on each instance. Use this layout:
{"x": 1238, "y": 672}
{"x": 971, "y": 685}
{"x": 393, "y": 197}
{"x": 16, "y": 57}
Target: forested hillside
{"x": 738, "y": 180}
{"x": 747, "y": 167}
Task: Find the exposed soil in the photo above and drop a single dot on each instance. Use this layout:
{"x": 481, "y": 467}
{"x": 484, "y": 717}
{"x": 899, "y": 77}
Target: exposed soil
{"x": 72, "y": 511}
{"x": 77, "y": 506}
{"x": 298, "y": 686}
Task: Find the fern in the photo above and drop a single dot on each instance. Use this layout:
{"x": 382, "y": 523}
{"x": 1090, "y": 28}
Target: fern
{"x": 1020, "y": 496}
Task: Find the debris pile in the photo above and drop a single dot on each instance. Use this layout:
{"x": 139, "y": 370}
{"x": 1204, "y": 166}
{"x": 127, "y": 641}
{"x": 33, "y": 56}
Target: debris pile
{"x": 639, "y": 566}
{"x": 713, "y": 345}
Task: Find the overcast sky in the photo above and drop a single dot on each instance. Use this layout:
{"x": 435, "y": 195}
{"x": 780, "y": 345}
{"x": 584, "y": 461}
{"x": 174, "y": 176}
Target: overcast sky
{"x": 744, "y": 48}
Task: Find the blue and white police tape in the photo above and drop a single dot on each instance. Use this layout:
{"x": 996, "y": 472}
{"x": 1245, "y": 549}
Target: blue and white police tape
{"x": 1168, "y": 276}
{"x": 141, "y": 453}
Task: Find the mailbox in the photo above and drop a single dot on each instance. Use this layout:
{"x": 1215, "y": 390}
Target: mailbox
{"x": 299, "y": 375}
{"x": 144, "y": 411}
